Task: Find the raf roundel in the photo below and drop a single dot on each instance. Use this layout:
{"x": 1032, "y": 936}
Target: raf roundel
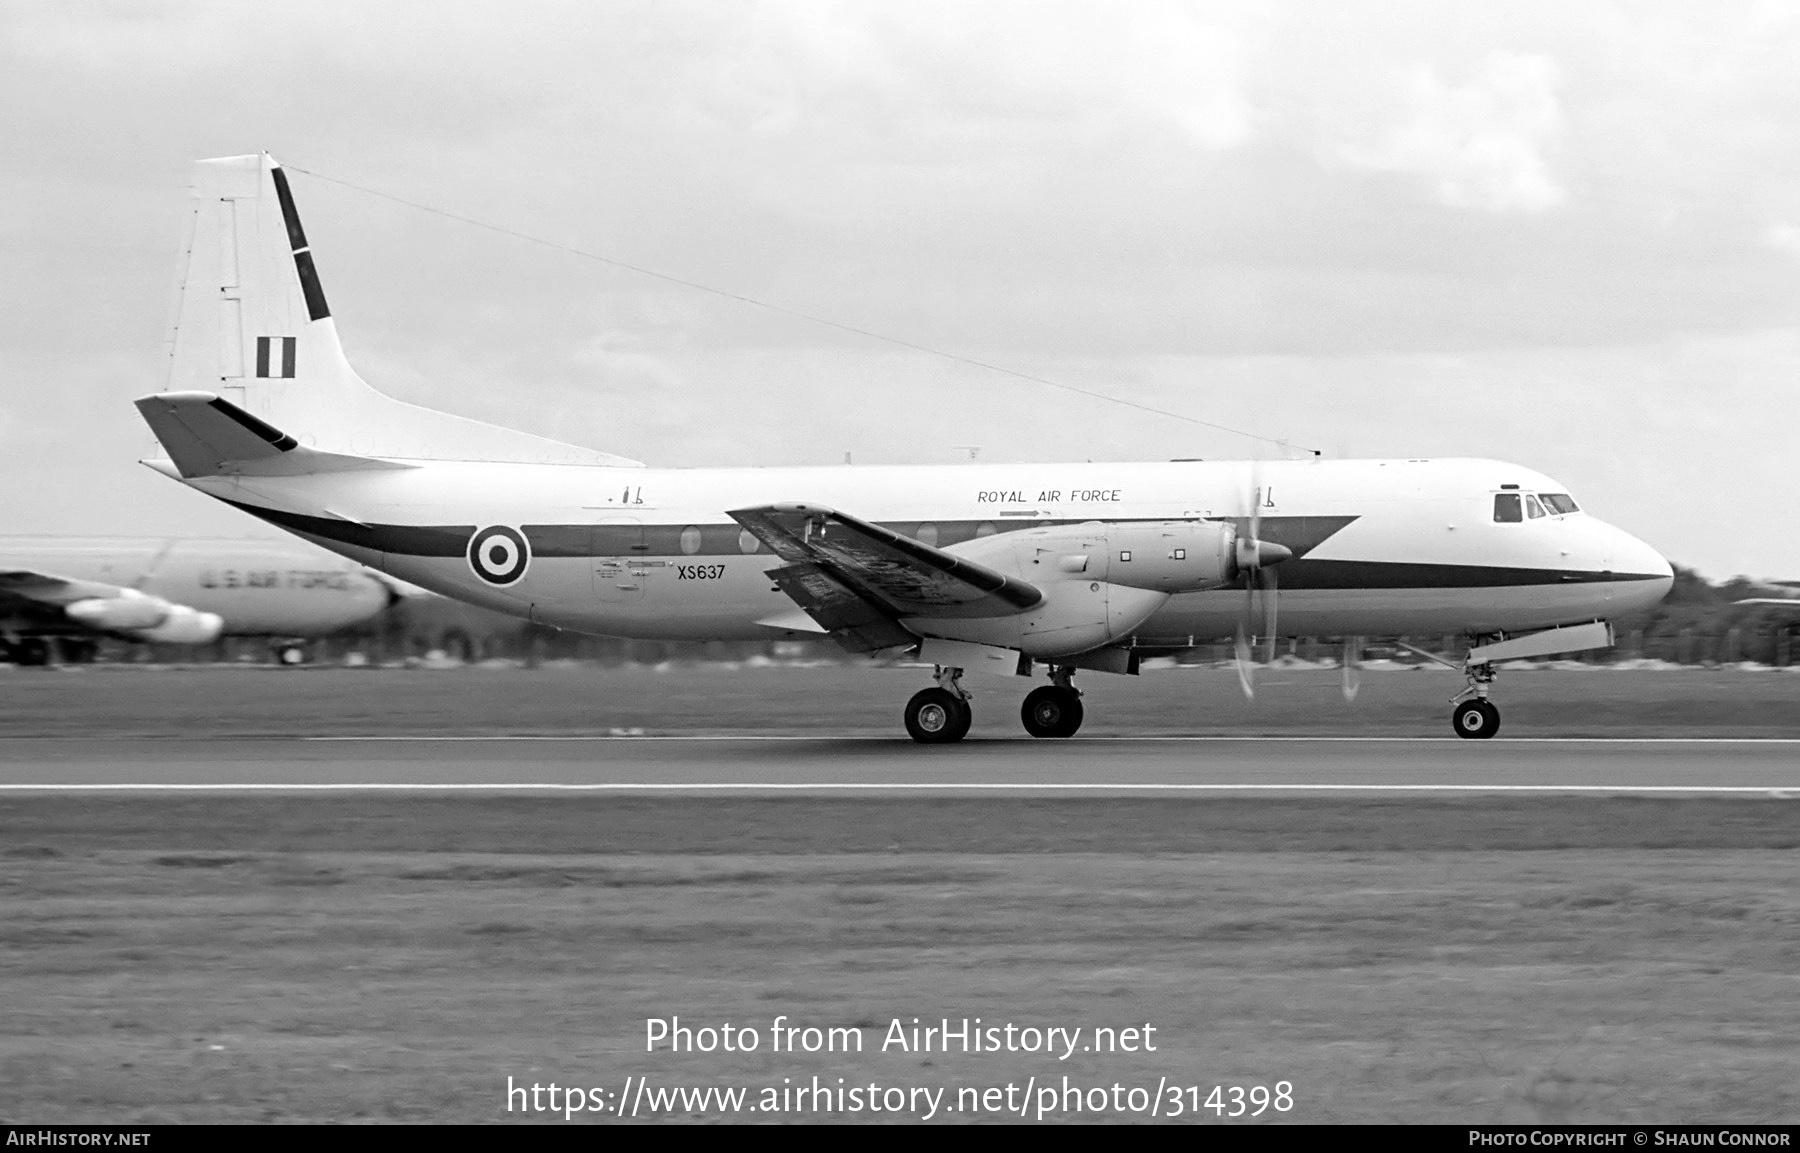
{"x": 499, "y": 555}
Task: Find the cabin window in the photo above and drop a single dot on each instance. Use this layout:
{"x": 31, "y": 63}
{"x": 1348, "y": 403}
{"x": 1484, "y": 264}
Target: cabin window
{"x": 985, "y": 528}
{"x": 1560, "y": 503}
{"x": 690, "y": 540}
{"x": 1507, "y": 509}
{"x": 1533, "y": 509}
{"x": 1178, "y": 554}
{"x": 1125, "y": 554}
{"x": 747, "y": 543}
{"x": 928, "y": 533}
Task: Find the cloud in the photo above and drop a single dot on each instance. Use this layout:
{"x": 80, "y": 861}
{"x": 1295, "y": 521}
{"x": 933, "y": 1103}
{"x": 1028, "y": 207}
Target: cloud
{"x": 1480, "y": 144}
{"x": 1784, "y": 238}
{"x": 952, "y": 67}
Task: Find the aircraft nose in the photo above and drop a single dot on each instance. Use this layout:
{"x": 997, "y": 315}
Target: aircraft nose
{"x": 1630, "y": 559}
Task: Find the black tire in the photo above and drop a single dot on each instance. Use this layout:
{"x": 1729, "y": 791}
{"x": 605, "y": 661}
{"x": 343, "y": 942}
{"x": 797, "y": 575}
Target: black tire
{"x": 1051, "y": 711}
{"x": 937, "y": 717}
{"x": 1475, "y": 720}
{"x": 31, "y": 652}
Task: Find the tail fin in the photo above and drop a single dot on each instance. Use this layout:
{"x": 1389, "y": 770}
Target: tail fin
{"x": 253, "y": 327}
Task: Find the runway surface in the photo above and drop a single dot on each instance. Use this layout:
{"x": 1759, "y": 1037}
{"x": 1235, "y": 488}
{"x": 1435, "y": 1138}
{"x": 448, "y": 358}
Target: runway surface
{"x": 822, "y": 765}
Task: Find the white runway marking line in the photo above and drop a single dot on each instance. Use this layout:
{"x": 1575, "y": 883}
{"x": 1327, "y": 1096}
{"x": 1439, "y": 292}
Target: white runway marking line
{"x": 1781, "y": 792}
{"x": 439, "y": 737}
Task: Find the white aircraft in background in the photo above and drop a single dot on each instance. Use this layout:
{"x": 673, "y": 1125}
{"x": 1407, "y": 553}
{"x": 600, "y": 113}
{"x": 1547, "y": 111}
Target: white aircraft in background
{"x": 1786, "y": 595}
{"x": 999, "y": 567}
{"x": 74, "y": 590}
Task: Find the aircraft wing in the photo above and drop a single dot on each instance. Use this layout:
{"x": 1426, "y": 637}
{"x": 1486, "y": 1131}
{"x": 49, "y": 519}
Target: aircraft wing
{"x": 47, "y": 599}
{"x": 858, "y": 580}
{"x": 22, "y": 588}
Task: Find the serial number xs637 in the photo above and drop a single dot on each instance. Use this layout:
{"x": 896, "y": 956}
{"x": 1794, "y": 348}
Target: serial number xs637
{"x": 699, "y": 572}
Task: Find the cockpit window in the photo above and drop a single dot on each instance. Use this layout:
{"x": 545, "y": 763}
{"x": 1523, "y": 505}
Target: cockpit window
{"x": 1561, "y": 503}
{"x": 1533, "y": 509}
{"x": 1507, "y": 509}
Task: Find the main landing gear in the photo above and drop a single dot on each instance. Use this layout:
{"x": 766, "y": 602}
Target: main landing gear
{"x": 290, "y": 652}
{"x": 941, "y": 715}
{"x": 1053, "y": 710}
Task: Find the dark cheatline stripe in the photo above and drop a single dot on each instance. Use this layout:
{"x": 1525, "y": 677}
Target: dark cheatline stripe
{"x": 723, "y": 540}
{"x": 296, "y": 235}
{"x": 404, "y": 540}
{"x": 572, "y": 540}
{"x": 591, "y": 541}
{"x": 267, "y": 431}
{"x": 309, "y": 284}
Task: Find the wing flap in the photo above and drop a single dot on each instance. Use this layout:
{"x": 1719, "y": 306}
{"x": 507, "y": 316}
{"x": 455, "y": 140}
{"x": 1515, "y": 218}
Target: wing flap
{"x": 859, "y": 580}
{"x": 856, "y": 622}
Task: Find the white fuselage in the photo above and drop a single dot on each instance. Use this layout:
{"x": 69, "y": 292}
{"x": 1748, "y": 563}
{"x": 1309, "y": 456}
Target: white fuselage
{"x": 1380, "y": 547}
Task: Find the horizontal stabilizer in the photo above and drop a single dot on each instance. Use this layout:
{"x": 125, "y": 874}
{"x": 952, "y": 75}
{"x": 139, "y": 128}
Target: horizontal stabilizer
{"x": 206, "y": 435}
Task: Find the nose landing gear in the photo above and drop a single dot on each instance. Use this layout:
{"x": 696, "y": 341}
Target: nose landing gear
{"x": 1473, "y": 716}
{"x": 1053, "y": 710}
{"x": 941, "y": 715}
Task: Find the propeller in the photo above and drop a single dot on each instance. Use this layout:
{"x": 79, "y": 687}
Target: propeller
{"x": 1256, "y": 559}
{"x": 1352, "y": 673}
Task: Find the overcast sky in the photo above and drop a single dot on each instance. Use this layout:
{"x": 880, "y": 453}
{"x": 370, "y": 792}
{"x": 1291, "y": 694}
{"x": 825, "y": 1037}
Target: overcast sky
{"x": 1562, "y": 234}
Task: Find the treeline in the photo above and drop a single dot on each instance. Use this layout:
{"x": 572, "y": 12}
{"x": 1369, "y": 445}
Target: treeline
{"x": 1704, "y": 623}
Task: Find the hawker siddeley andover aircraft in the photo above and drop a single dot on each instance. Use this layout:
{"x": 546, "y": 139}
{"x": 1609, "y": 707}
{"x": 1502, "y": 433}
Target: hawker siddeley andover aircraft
{"x": 998, "y": 567}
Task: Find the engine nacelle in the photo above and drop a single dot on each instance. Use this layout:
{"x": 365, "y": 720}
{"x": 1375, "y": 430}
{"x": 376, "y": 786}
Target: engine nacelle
{"x": 128, "y": 612}
{"x": 1101, "y": 580}
{"x": 186, "y": 626}
{"x": 1172, "y": 556}
{"x": 146, "y": 618}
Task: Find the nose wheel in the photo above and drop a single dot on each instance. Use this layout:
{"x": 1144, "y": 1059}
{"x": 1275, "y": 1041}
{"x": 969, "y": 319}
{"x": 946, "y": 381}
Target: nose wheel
{"x": 1475, "y": 720}
{"x": 1473, "y": 716}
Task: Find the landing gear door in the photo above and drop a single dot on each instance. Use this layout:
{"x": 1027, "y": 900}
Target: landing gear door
{"x": 620, "y": 564}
